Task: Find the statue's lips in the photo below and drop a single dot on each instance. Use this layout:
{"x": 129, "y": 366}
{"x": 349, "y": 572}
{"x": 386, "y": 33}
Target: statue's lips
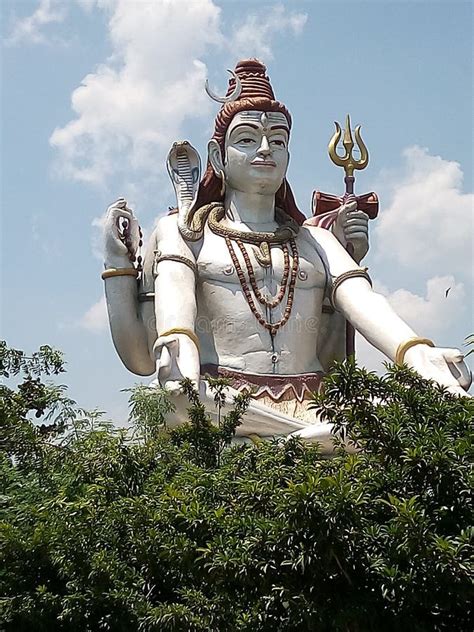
{"x": 263, "y": 163}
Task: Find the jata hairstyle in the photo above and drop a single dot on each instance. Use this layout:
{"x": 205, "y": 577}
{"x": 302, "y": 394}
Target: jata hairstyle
{"x": 257, "y": 94}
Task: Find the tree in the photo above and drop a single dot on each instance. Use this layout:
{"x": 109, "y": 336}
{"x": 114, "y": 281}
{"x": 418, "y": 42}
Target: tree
{"x": 159, "y": 529}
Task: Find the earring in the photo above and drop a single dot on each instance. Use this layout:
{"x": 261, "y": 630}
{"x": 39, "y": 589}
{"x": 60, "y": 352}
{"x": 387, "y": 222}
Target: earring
{"x": 222, "y": 177}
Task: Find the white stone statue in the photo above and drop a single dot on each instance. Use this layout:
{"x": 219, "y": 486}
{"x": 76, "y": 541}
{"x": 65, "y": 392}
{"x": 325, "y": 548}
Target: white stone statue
{"x": 234, "y": 283}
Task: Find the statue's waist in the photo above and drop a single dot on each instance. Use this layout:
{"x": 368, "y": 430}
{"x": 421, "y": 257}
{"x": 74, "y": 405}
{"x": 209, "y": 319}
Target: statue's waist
{"x": 277, "y": 387}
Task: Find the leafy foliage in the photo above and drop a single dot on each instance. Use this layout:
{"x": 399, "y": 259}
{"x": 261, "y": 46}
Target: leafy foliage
{"x": 158, "y": 529}
{"x": 469, "y": 342}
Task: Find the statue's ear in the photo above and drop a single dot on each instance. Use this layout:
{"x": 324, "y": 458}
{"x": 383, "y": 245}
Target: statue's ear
{"x": 215, "y": 157}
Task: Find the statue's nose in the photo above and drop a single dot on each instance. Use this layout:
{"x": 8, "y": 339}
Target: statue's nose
{"x": 264, "y": 149}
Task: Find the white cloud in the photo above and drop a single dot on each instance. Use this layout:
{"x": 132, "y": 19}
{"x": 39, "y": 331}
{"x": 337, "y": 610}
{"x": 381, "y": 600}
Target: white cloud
{"x": 254, "y": 37}
{"x": 95, "y": 319}
{"x": 88, "y": 5}
{"x": 427, "y": 230}
{"x": 131, "y": 108}
{"x": 434, "y": 312}
{"x": 31, "y": 29}
{"x": 428, "y": 224}
{"x": 97, "y": 238}
{"x": 432, "y": 316}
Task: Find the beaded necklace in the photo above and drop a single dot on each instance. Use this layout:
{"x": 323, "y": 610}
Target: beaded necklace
{"x": 282, "y": 236}
{"x": 273, "y": 302}
{"x": 269, "y": 326}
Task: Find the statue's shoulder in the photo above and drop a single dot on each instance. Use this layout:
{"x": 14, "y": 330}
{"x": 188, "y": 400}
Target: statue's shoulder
{"x": 167, "y": 224}
{"x": 168, "y": 237}
{"x": 326, "y": 245}
{"x": 166, "y": 228}
{"x": 316, "y": 234}
{"x": 333, "y": 255}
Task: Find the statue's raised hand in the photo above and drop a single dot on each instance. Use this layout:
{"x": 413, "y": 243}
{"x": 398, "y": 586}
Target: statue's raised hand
{"x": 445, "y": 366}
{"x": 352, "y": 227}
{"x": 121, "y": 235}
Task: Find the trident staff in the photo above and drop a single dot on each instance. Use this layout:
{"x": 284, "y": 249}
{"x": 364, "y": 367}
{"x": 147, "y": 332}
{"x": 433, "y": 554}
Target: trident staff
{"x": 348, "y": 162}
{"x": 326, "y": 206}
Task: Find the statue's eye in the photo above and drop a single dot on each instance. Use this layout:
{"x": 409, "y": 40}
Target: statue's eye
{"x": 246, "y": 141}
{"x": 278, "y": 143}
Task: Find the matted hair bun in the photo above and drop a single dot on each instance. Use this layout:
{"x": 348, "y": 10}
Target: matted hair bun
{"x": 253, "y": 77}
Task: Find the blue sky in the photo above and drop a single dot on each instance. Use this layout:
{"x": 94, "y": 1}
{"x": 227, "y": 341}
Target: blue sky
{"x": 95, "y": 91}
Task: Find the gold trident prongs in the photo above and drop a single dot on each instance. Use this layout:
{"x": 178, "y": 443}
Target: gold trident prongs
{"x": 348, "y": 161}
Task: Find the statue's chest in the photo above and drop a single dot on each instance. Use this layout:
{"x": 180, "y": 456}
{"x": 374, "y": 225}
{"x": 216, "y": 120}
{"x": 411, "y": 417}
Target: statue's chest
{"x": 227, "y": 262}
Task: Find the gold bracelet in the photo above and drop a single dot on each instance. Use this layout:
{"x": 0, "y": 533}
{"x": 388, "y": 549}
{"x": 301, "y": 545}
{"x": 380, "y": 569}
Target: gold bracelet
{"x": 181, "y": 330}
{"x": 408, "y": 344}
{"x": 113, "y": 272}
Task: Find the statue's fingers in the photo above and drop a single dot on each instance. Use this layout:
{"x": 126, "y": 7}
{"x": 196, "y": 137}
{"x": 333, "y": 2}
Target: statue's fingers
{"x": 465, "y": 375}
{"x": 121, "y": 203}
{"x": 356, "y": 226}
{"x": 163, "y": 360}
{"x": 341, "y": 213}
{"x": 457, "y": 366}
{"x": 355, "y": 234}
{"x": 172, "y": 386}
{"x": 193, "y": 373}
{"x": 165, "y": 349}
{"x": 349, "y": 207}
{"x": 358, "y": 214}
{"x": 453, "y": 355}
{"x": 118, "y": 205}
{"x": 358, "y": 221}
{"x": 346, "y": 208}
{"x": 457, "y": 390}
{"x": 170, "y": 342}
{"x": 117, "y": 213}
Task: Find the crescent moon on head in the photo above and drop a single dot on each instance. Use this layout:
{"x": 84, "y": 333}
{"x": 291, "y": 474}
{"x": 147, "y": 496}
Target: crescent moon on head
{"x": 232, "y": 97}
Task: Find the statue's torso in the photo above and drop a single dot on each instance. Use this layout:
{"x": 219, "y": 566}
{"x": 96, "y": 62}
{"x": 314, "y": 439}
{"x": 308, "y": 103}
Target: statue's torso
{"x": 230, "y": 334}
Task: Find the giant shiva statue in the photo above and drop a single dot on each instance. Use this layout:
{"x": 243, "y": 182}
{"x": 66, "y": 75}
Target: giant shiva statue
{"x": 236, "y": 282}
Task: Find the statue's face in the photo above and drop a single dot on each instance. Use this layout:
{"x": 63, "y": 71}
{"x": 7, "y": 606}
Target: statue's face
{"x": 256, "y": 152}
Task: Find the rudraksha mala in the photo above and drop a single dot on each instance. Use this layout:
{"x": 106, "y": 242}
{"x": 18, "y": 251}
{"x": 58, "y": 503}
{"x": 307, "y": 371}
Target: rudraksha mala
{"x": 271, "y": 327}
{"x": 256, "y": 290}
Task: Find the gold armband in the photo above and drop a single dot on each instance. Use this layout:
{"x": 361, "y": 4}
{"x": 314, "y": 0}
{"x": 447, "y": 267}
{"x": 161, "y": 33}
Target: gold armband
{"x": 360, "y": 272}
{"x": 408, "y": 344}
{"x": 113, "y": 272}
{"x": 181, "y": 330}
{"x": 178, "y": 259}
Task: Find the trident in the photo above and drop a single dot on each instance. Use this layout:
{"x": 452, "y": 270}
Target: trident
{"x": 325, "y": 205}
{"x": 348, "y": 162}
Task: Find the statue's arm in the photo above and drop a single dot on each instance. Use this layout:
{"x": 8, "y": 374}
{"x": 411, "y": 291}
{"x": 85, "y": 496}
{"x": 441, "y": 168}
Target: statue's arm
{"x": 372, "y": 315}
{"x": 176, "y": 349}
{"x": 129, "y": 333}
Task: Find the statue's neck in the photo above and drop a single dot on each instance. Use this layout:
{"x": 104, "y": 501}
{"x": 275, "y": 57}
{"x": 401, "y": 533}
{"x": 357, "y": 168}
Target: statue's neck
{"x": 249, "y": 208}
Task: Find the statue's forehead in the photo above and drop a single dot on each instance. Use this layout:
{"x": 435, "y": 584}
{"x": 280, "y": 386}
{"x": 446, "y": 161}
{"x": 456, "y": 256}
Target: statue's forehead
{"x": 264, "y": 119}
